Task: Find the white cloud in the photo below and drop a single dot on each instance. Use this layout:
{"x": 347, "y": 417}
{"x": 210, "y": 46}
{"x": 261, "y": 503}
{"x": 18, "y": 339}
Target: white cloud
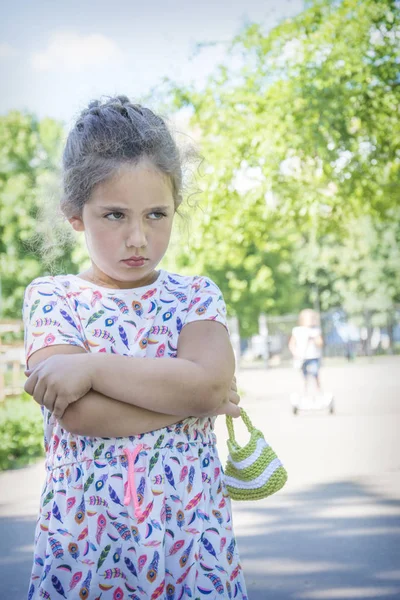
{"x": 7, "y": 51}
{"x": 74, "y": 52}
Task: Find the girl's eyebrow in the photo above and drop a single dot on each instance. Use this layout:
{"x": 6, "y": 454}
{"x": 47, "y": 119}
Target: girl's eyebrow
{"x": 124, "y": 208}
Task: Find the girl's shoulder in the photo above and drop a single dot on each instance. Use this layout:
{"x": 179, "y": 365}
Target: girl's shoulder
{"x": 196, "y": 282}
{"x": 57, "y": 283}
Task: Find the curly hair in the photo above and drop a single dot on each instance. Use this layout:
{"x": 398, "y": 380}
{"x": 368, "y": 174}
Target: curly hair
{"x": 107, "y": 135}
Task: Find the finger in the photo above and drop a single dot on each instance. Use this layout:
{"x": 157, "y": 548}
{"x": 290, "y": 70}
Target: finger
{"x": 49, "y": 399}
{"x": 234, "y": 397}
{"x": 30, "y": 383}
{"x": 40, "y": 391}
{"x": 60, "y": 406}
{"x": 233, "y": 410}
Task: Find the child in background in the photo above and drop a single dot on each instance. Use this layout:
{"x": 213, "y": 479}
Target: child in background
{"x": 306, "y": 344}
{"x": 131, "y": 366}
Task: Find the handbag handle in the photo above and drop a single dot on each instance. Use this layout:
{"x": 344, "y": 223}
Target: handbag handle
{"x": 245, "y": 419}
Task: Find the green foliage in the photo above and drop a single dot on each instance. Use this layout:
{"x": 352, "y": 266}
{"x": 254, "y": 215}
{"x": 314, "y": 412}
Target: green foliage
{"x": 301, "y": 142}
{"x": 360, "y": 270}
{"x": 29, "y": 157}
{"x": 21, "y": 432}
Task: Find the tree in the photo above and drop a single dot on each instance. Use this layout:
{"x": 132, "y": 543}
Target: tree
{"x": 29, "y": 159}
{"x": 311, "y": 117}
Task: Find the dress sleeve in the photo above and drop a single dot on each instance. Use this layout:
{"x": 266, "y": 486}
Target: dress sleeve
{"x": 206, "y": 303}
{"x": 48, "y": 318}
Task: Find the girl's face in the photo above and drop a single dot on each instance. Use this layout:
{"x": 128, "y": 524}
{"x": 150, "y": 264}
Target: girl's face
{"x": 128, "y": 217}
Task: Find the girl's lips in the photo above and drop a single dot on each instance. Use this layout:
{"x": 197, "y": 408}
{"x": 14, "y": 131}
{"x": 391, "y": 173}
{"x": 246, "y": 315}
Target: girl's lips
{"x": 135, "y": 262}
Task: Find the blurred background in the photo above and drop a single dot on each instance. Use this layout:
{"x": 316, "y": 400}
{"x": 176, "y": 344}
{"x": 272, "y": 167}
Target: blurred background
{"x": 292, "y": 203}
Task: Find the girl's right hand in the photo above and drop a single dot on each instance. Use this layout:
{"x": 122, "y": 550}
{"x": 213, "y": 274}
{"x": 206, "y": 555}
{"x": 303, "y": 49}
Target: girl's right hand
{"x": 230, "y": 405}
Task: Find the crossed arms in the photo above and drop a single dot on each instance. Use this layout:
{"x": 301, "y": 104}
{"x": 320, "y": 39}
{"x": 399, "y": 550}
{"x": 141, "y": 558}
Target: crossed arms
{"x": 110, "y": 395}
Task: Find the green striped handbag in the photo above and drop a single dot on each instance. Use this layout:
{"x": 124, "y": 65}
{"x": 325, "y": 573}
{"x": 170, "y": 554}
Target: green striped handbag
{"x": 254, "y": 471}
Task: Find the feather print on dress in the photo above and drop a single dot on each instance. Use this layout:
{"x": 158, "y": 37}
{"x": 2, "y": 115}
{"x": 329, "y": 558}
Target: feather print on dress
{"x": 56, "y": 512}
{"x": 123, "y": 336}
{"x": 34, "y": 308}
{"x": 202, "y": 309}
{"x": 185, "y": 555}
{"x": 169, "y": 475}
{"x": 118, "y": 594}
{"x": 176, "y": 547}
{"x": 100, "y": 482}
{"x": 183, "y": 473}
{"x": 135, "y": 534}
{"x": 194, "y": 302}
{"x": 110, "y": 321}
{"x": 122, "y": 530}
{"x": 137, "y": 307}
{"x": 153, "y": 462}
{"x": 73, "y": 549}
{"x": 216, "y": 581}
{"x": 103, "y": 334}
{"x": 191, "y": 477}
{"x": 70, "y": 321}
{"x": 101, "y": 525}
{"x": 131, "y": 567}
{"x": 57, "y": 585}
{"x": 103, "y": 556}
{"x": 121, "y": 305}
{"x": 49, "y": 307}
{"x": 153, "y": 567}
{"x": 31, "y": 591}
{"x": 142, "y": 561}
{"x": 158, "y": 591}
{"x": 149, "y": 294}
{"x": 96, "y": 296}
{"x": 178, "y": 295}
{"x": 160, "y": 351}
{"x": 229, "y": 551}
{"x": 140, "y": 490}
{"x": 56, "y": 548}
{"x": 94, "y": 317}
{"x": 47, "y": 323}
{"x": 85, "y": 589}
{"x": 169, "y": 314}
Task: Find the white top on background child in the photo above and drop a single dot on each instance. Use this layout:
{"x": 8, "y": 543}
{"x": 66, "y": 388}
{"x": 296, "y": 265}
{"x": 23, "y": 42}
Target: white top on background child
{"x": 306, "y": 336}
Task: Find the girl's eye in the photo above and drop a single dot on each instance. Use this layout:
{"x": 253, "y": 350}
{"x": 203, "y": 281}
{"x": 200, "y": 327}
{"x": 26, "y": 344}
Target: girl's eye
{"x": 157, "y": 216}
{"x": 117, "y": 214}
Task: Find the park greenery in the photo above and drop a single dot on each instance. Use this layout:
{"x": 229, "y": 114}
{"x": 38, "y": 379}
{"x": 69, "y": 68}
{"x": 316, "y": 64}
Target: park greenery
{"x": 21, "y": 432}
{"x": 299, "y": 202}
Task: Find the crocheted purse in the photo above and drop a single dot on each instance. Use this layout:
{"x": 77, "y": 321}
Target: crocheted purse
{"x": 254, "y": 471}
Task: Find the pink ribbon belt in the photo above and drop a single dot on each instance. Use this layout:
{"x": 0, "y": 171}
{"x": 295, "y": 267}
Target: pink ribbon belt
{"x": 131, "y": 493}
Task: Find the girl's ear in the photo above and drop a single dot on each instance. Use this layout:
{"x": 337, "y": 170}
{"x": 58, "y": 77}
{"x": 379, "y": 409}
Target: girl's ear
{"x": 77, "y": 223}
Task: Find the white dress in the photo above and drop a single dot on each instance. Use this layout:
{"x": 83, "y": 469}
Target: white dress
{"x": 142, "y": 517}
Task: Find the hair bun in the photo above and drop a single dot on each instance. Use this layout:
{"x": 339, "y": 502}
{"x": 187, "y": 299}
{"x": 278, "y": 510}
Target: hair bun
{"x": 94, "y": 104}
{"x": 122, "y": 99}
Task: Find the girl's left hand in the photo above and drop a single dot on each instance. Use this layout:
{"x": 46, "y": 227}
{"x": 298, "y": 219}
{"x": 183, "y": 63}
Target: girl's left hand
{"x": 58, "y": 381}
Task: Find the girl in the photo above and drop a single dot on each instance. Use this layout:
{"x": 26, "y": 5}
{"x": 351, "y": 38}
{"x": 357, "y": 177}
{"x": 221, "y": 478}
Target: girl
{"x": 131, "y": 366}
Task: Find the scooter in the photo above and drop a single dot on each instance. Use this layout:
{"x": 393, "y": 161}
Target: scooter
{"x": 312, "y": 402}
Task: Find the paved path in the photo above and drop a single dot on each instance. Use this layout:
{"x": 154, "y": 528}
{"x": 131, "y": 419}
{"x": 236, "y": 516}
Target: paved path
{"x": 333, "y": 533}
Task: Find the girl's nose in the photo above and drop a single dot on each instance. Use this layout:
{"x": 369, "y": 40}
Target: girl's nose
{"x": 137, "y": 237}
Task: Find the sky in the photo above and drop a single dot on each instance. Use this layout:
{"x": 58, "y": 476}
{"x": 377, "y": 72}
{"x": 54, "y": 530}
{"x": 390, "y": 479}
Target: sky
{"x": 57, "y": 56}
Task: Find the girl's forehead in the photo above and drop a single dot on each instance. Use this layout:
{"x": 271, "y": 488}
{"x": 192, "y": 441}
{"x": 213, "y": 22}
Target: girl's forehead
{"x": 135, "y": 184}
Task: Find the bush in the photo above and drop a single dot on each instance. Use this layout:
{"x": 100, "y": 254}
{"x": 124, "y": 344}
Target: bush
{"x": 21, "y": 432}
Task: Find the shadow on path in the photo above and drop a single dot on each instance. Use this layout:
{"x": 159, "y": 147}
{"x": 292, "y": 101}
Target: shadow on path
{"x": 332, "y": 541}
{"x": 16, "y": 555}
